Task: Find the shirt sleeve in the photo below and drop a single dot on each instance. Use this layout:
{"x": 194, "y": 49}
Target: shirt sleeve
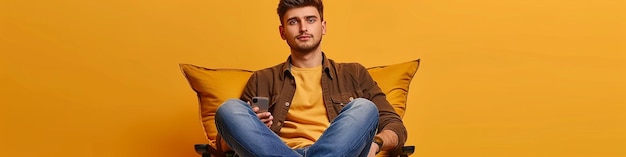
{"x": 388, "y": 118}
{"x": 251, "y": 88}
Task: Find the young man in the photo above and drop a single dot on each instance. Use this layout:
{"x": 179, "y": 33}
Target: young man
{"x": 317, "y": 107}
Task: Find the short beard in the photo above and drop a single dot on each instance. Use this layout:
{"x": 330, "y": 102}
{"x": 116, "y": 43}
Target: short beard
{"x": 306, "y": 49}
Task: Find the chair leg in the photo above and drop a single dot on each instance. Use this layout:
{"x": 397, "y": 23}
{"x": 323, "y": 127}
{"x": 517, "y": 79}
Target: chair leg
{"x": 407, "y": 150}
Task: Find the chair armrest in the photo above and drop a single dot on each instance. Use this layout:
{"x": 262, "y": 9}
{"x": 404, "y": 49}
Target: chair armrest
{"x": 207, "y": 151}
{"x": 405, "y": 151}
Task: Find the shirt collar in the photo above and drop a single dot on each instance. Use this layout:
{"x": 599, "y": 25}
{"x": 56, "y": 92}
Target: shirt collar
{"x": 326, "y": 67}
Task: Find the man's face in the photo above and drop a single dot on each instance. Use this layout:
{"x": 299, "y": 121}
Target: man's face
{"x": 303, "y": 29}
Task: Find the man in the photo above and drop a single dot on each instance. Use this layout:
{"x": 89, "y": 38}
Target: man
{"x": 317, "y": 107}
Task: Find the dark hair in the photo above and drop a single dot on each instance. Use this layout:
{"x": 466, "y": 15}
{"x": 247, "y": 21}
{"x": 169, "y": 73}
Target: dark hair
{"x": 285, "y": 5}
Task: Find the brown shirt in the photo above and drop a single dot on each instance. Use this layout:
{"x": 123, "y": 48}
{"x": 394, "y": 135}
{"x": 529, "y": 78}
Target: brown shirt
{"x": 341, "y": 82}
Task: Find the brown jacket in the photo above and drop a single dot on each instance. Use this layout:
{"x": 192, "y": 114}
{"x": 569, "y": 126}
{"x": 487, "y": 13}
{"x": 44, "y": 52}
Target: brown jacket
{"x": 341, "y": 83}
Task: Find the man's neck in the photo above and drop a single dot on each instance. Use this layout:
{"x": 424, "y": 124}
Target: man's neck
{"x": 306, "y": 60}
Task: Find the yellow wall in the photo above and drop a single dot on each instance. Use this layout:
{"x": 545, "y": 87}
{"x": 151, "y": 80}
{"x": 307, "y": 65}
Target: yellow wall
{"x": 498, "y": 78}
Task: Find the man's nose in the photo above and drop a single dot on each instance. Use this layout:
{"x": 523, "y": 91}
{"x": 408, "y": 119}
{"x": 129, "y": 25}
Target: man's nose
{"x": 303, "y": 28}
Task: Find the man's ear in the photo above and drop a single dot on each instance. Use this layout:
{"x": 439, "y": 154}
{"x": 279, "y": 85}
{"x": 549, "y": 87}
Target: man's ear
{"x": 324, "y": 27}
{"x": 281, "y": 30}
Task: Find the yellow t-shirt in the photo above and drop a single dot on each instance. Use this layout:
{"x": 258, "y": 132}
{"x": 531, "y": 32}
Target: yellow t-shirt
{"x": 307, "y": 118}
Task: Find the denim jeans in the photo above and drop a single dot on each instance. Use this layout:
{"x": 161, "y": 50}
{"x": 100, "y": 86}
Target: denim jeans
{"x": 349, "y": 134}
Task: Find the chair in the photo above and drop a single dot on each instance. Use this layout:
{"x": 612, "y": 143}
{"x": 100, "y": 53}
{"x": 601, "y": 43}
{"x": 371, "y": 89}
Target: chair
{"x": 207, "y": 151}
{"x": 214, "y": 86}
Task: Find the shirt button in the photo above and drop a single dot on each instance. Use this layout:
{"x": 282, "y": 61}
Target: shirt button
{"x": 351, "y": 98}
{"x": 278, "y": 123}
{"x": 286, "y": 103}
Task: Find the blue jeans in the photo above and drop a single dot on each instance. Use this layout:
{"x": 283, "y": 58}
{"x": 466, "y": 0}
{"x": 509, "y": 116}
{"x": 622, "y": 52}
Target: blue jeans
{"x": 350, "y": 134}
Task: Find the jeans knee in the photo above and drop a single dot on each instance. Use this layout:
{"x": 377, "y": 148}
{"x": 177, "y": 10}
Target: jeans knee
{"x": 362, "y": 102}
{"x": 230, "y": 106}
{"x": 365, "y": 106}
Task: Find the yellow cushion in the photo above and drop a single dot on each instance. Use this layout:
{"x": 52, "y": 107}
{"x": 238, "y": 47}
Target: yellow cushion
{"x": 214, "y": 86}
{"x": 394, "y": 81}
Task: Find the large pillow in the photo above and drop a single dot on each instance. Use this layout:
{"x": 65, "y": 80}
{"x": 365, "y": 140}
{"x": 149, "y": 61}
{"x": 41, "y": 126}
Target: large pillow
{"x": 394, "y": 81}
{"x": 214, "y": 86}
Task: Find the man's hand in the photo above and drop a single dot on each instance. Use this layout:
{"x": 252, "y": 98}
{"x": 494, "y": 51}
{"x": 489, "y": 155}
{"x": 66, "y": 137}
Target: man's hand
{"x": 265, "y": 117}
{"x": 373, "y": 149}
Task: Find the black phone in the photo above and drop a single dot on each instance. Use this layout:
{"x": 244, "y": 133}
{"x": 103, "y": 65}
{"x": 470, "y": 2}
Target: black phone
{"x": 261, "y": 102}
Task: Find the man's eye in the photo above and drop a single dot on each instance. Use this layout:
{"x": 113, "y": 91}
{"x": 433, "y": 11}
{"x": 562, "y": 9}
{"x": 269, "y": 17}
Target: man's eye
{"x": 311, "y": 20}
{"x": 293, "y": 22}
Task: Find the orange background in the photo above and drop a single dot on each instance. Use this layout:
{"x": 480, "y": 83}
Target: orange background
{"x": 100, "y": 78}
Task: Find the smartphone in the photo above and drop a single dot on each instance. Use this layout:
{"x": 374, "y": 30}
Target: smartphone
{"x": 261, "y": 102}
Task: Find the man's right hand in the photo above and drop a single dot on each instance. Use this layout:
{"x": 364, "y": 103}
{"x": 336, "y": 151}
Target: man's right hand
{"x": 265, "y": 117}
